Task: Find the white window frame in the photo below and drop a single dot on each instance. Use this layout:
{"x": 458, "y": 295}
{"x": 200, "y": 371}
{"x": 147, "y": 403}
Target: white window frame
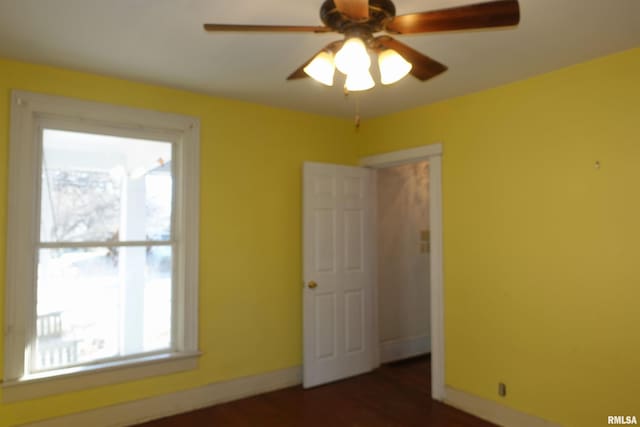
{"x": 28, "y": 110}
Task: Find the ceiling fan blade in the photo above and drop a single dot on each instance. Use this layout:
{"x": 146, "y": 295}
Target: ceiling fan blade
{"x": 424, "y": 68}
{"x": 482, "y": 15}
{"x": 331, "y": 47}
{"x": 267, "y": 28}
{"x": 354, "y": 9}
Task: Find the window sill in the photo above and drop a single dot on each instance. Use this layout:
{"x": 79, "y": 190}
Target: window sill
{"x": 81, "y": 378}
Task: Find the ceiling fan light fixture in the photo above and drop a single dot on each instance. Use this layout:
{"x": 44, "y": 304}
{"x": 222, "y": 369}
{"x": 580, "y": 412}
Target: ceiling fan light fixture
{"x": 359, "y": 81}
{"x": 393, "y": 67}
{"x": 322, "y": 68}
{"x": 353, "y": 57}
{"x": 358, "y": 21}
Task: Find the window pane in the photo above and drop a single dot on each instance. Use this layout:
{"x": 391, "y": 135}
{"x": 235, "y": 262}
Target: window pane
{"x": 103, "y": 302}
{"x": 104, "y": 188}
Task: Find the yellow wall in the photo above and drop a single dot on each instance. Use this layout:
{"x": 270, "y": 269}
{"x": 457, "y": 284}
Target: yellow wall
{"x": 250, "y": 253}
{"x": 542, "y": 265}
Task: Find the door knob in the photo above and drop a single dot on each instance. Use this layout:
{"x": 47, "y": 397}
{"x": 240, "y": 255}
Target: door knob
{"x": 312, "y": 285}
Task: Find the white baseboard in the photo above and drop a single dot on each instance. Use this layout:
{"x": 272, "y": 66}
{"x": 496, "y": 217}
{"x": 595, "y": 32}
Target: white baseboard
{"x": 189, "y": 400}
{"x": 183, "y": 401}
{"x": 404, "y": 348}
{"x": 492, "y": 411}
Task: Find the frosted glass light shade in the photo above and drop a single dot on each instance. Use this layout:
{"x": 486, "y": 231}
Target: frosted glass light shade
{"x": 393, "y": 67}
{"x": 353, "y": 57}
{"x": 321, "y": 68}
{"x": 359, "y": 81}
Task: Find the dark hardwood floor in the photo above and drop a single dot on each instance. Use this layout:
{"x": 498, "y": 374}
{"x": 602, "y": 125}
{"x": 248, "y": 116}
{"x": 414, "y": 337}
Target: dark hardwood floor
{"x": 395, "y": 395}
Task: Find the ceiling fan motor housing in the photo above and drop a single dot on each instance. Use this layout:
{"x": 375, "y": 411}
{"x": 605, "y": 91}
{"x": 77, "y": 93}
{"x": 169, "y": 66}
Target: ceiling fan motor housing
{"x": 380, "y": 13}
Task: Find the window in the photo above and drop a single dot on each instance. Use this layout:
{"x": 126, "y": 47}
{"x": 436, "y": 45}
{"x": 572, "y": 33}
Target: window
{"x": 102, "y": 243}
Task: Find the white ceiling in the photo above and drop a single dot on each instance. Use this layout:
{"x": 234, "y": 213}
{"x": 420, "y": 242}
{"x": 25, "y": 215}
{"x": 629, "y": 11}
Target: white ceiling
{"x": 162, "y": 42}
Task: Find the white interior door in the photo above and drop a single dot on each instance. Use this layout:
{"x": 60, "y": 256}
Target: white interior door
{"x": 338, "y": 257}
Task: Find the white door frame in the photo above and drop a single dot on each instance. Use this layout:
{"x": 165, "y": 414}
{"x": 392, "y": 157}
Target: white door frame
{"x": 433, "y": 154}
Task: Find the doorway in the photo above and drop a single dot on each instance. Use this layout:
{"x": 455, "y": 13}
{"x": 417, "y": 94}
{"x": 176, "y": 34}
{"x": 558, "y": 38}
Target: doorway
{"x": 402, "y": 230}
{"x": 433, "y": 155}
{"x": 340, "y": 301}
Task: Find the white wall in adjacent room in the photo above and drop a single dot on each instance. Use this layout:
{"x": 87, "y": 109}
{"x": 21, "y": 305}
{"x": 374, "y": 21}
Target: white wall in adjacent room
{"x": 403, "y": 261}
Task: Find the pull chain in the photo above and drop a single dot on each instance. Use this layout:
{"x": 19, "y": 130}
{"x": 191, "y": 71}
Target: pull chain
{"x": 356, "y": 118}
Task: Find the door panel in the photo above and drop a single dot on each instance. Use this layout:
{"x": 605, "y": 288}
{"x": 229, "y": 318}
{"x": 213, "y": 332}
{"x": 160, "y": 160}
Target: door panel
{"x": 325, "y": 242}
{"x": 355, "y": 321}
{"x": 338, "y": 257}
{"x": 325, "y": 307}
{"x": 353, "y": 239}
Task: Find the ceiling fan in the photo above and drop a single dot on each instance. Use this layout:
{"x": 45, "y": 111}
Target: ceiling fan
{"x": 359, "y": 20}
